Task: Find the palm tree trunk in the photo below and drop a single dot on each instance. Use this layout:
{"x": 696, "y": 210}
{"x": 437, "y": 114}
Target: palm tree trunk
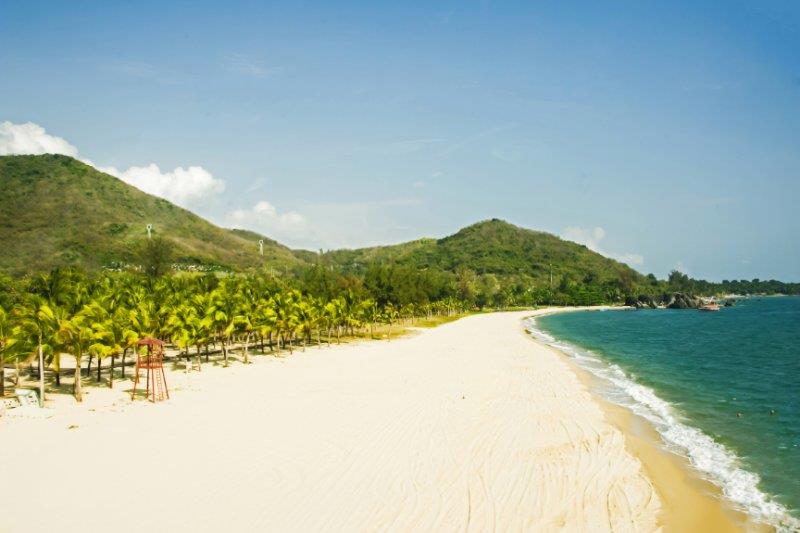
{"x": 41, "y": 376}
{"x": 246, "y": 344}
{"x": 224, "y": 353}
{"x": 89, "y": 366}
{"x": 124, "y": 353}
{"x": 98, "y": 370}
{"x": 16, "y": 373}
{"x": 2, "y": 380}
{"x": 76, "y": 385}
{"x": 111, "y": 373}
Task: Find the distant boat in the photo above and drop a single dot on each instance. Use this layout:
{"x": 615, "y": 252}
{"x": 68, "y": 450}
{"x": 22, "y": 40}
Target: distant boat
{"x": 710, "y": 307}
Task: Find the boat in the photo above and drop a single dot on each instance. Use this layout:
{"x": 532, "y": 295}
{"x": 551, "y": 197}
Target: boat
{"x": 710, "y": 307}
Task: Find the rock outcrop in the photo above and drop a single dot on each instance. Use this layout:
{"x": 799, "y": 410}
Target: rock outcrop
{"x": 683, "y": 301}
{"x": 676, "y": 300}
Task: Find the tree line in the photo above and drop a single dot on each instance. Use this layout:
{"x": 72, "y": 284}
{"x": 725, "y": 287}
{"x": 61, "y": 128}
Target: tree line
{"x": 93, "y": 318}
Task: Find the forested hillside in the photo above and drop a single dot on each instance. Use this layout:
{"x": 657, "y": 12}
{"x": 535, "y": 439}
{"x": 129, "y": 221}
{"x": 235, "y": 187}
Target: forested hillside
{"x": 56, "y": 211}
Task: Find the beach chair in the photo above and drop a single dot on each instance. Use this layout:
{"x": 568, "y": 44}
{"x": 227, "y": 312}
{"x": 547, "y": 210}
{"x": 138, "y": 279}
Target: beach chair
{"x": 28, "y": 406}
{"x": 7, "y": 404}
{"x": 27, "y": 397}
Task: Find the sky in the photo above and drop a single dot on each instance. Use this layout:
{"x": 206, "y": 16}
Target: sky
{"x": 663, "y": 134}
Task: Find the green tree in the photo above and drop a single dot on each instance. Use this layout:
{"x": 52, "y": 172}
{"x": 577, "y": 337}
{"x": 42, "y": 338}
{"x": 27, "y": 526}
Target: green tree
{"x": 8, "y": 346}
{"x": 155, "y": 257}
{"x": 78, "y": 336}
{"x": 38, "y": 322}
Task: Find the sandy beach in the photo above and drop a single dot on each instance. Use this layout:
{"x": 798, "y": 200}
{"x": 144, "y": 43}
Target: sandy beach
{"x": 468, "y": 426}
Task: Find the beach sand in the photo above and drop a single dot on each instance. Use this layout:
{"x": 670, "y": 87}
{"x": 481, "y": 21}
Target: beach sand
{"x": 470, "y": 426}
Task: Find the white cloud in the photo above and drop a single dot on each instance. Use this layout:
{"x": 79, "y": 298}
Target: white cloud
{"x": 181, "y": 185}
{"x": 628, "y": 258}
{"x": 30, "y": 138}
{"x": 588, "y": 237}
{"x": 591, "y": 237}
{"x": 265, "y": 218}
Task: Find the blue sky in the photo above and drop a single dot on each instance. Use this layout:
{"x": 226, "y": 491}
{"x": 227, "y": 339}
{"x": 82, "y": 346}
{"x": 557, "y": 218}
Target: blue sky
{"x": 664, "y": 134}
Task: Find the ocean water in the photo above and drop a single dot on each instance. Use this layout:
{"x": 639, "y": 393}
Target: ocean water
{"x": 722, "y": 389}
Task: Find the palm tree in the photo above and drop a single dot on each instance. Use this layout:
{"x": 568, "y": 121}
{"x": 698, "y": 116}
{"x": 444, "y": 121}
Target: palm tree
{"x": 265, "y": 321}
{"x": 307, "y": 318}
{"x": 181, "y": 324}
{"x": 123, "y": 336}
{"x": 246, "y": 324}
{"x": 76, "y": 334}
{"x": 286, "y": 319}
{"x": 8, "y": 346}
{"x": 111, "y": 330}
{"x": 38, "y": 322}
{"x": 203, "y": 326}
{"x": 334, "y": 313}
{"x": 223, "y": 314}
{"x": 368, "y": 310}
{"x": 390, "y": 315}
{"x": 351, "y": 312}
{"x": 247, "y": 300}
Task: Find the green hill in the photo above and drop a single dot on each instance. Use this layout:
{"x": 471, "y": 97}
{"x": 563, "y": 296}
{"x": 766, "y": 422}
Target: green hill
{"x": 494, "y": 247}
{"x": 57, "y": 211}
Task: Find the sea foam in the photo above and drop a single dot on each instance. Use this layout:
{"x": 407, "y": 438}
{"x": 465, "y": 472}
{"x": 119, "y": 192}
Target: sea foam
{"x": 713, "y": 460}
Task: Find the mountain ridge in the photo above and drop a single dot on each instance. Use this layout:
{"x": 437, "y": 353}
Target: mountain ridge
{"x": 494, "y": 246}
{"x": 101, "y": 219}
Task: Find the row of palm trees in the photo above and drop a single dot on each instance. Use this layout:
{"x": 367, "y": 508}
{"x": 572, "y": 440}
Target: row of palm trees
{"x": 101, "y": 320}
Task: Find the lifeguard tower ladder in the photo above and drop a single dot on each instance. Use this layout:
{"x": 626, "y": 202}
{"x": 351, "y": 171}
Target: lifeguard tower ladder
{"x": 150, "y": 356}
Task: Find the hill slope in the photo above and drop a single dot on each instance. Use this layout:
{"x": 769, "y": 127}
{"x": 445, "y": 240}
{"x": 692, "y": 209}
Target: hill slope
{"x": 494, "y": 247}
{"x": 57, "y": 211}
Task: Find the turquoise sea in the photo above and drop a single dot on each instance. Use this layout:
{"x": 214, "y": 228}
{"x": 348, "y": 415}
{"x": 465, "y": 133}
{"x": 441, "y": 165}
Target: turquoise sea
{"x": 722, "y": 389}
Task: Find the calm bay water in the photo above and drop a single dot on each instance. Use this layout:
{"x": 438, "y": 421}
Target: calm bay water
{"x": 721, "y": 388}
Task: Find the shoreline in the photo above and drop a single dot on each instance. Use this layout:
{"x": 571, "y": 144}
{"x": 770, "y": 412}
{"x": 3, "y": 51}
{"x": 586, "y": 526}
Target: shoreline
{"x": 473, "y": 422}
{"x": 690, "y": 502}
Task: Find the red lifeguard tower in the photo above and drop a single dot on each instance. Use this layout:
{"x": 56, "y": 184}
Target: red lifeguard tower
{"x": 150, "y": 356}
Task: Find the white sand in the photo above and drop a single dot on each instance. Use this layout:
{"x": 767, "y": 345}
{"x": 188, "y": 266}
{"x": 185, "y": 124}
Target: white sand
{"x": 468, "y": 426}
